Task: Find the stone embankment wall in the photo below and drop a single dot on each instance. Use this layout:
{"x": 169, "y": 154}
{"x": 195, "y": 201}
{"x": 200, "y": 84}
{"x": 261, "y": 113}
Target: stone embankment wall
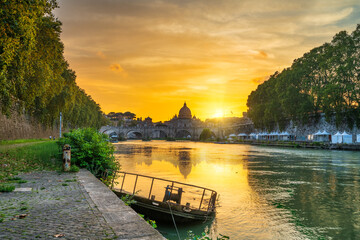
{"x": 21, "y": 126}
{"x": 310, "y": 127}
{"x": 313, "y": 126}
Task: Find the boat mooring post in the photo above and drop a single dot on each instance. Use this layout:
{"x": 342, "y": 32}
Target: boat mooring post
{"x": 66, "y": 157}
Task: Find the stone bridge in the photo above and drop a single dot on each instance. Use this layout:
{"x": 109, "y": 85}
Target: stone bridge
{"x": 159, "y": 132}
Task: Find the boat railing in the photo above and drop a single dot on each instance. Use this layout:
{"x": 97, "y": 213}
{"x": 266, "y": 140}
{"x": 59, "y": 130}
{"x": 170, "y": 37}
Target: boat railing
{"x": 198, "y": 198}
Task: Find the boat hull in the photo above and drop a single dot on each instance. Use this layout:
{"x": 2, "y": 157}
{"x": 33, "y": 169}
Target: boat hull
{"x": 160, "y": 211}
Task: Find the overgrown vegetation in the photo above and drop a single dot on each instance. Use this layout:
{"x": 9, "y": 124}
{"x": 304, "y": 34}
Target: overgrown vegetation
{"x": 128, "y": 199}
{"x": 33, "y": 72}
{"x": 149, "y": 221}
{"x": 91, "y": 150}
{"x": 326, "y": 79}
{"x": 37, "y": 156}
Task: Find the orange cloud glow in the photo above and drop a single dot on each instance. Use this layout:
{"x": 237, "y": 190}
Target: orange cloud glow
{"x": 116, "y": 68}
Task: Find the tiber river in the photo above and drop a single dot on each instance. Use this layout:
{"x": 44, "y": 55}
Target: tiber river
{"x": 265, "y": 192}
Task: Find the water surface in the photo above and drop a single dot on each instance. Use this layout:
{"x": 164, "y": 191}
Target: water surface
{"x": 265, "y": 193}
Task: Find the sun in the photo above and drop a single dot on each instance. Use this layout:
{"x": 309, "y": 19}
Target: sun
{"x": 218, "y": 114}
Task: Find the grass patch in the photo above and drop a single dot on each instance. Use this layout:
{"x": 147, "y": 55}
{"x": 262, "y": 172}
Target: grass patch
{"x": 74, "y": 168}
{"x": 15, "y": 180}
{"x": 34, "y": 157}
{"x": 70, "y": 180}
{"x": 65, "y": 184}
{"x": 6, "y": 188}
{"x": 18, "y": 141}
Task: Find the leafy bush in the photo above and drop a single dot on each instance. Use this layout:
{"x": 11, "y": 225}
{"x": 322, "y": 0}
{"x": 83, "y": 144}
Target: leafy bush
{"x": 149, "y": 221}
{"x": 91, "y": 150}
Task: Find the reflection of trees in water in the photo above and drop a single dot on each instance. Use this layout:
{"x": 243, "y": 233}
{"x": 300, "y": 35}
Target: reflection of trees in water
{"x": 324, "y": 199}
{"x": 148, "y": 154}
{"x": 179, "y": 157}
{"x": 185, "y": 163}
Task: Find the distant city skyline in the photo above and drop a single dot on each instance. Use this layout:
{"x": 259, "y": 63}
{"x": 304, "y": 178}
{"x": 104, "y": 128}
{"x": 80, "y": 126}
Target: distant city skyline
{"x": 148, "y": 57}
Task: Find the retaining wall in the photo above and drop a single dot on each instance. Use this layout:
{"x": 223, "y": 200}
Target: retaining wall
{"x": 21, "y": 126}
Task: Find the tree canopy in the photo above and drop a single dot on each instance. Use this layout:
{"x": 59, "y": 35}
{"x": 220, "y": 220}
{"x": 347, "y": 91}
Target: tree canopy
{"x": 324, "y": 80}
{"x": 34, "y": 76}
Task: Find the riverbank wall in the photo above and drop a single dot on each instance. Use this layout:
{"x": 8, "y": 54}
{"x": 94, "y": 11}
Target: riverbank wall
{"x": 299, "y": 144}
{"x": 22, "y": 126}
{"x": 304, "y": 129}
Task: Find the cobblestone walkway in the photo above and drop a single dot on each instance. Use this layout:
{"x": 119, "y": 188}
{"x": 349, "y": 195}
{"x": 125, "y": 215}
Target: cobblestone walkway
{"x": 51, "y": 206}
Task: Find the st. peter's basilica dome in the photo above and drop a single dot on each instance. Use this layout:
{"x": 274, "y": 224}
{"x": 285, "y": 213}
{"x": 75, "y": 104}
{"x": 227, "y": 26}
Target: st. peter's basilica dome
{"x": 185, "y": 112}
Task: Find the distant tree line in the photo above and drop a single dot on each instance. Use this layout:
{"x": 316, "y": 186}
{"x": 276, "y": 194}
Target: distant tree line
{"x": 116, "y": 116}
{"x": 325, "y": 80}
{"x": 34, "y": 76}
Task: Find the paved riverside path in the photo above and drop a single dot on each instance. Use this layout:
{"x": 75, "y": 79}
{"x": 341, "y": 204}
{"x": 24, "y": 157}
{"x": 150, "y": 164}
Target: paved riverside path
{"x": 68, "y": 206}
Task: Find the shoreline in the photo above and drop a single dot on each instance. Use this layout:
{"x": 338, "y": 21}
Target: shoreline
{"x": 307, "y": 145}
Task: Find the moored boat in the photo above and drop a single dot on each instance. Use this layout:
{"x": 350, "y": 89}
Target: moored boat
{"x": 164, "y": 200}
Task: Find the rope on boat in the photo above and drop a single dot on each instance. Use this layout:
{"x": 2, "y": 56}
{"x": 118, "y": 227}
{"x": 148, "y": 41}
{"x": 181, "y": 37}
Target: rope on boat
{"x": 173, "y": 220}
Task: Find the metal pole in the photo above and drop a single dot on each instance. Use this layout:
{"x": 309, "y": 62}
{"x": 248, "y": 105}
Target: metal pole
{"x": 60, "y": 124}
{"x": 202, "y": 199}
{"x": 112, "y": 183}
{"x": 135, "y": 184}
{"x": 122, "y": 183}
{"x": 152, "y": 183}
{"x": 172, "y": 186}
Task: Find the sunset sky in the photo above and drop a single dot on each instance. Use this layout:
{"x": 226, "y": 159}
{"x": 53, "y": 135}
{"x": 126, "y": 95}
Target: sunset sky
{"x": 148, "y": 57}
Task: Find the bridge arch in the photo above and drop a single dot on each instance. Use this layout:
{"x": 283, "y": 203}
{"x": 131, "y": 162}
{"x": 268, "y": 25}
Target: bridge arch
{"x": 183, "y": 134}
{"x": 134, "y": 135}
{"x": 159, "y": 134}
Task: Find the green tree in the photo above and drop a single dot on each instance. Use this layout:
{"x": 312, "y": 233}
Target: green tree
{"x": 326, "y": 79}
{"x": 34, "y": 76}
{"x": 205, "y": 134}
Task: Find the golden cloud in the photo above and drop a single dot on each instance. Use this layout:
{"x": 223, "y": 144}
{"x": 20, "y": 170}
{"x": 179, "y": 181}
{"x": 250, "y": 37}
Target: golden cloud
{"x": 116, "y": 68}
{"x": 262, "y": 54}
{"x": 101, "y": 55}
